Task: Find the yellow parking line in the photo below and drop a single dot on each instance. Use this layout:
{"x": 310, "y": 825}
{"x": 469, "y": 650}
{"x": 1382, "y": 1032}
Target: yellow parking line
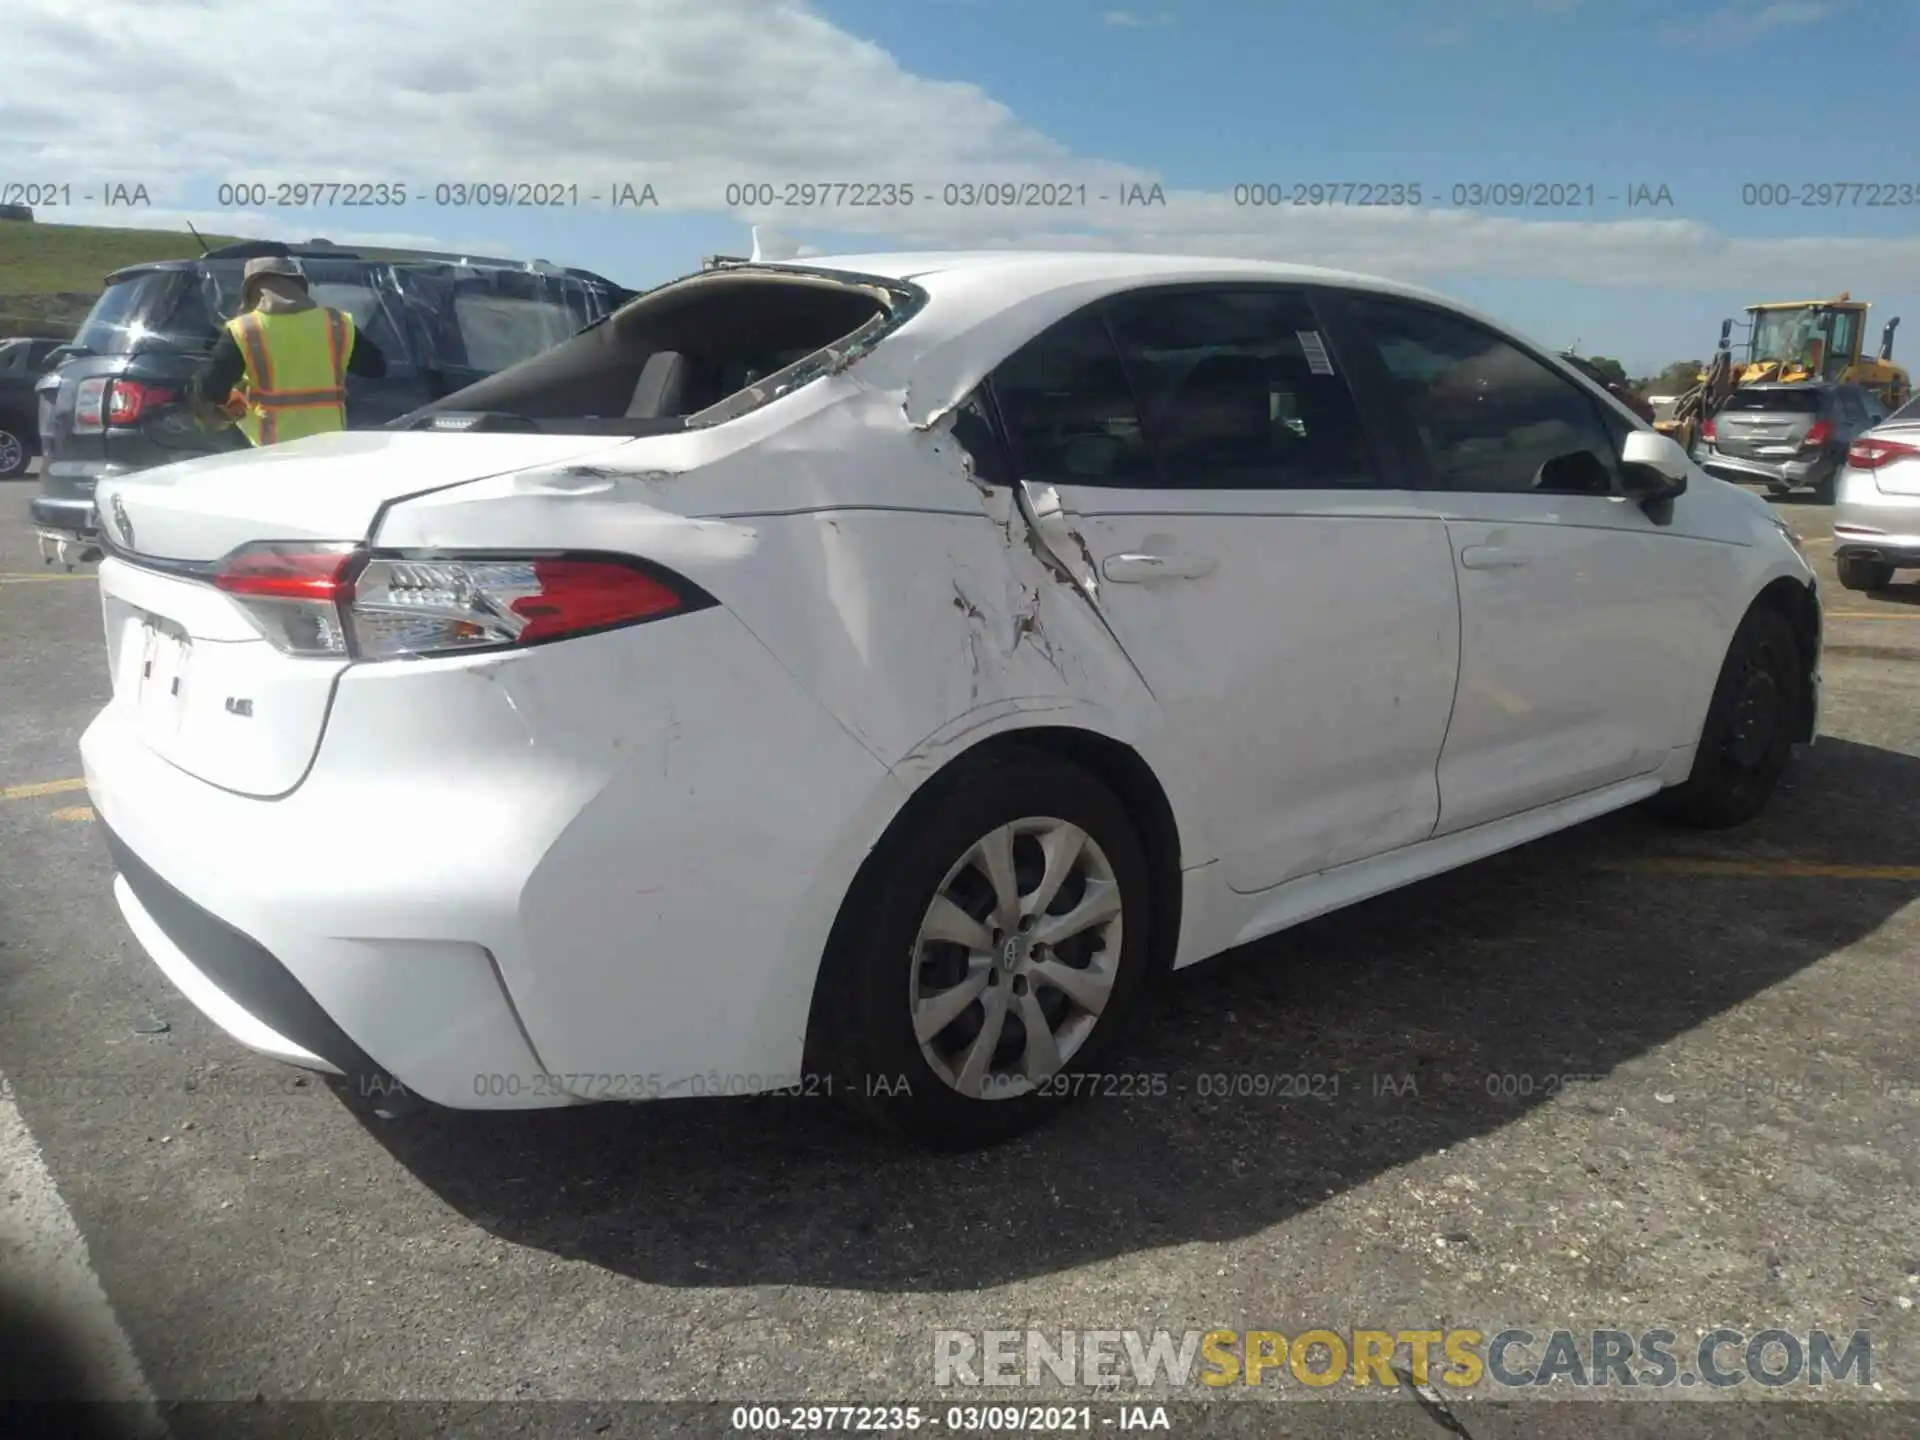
{"x": 1785, "y": 869}
{"x": 43, "y": 787}
{"x": 1870, "y": 615}
{"x": 74, "y": 812}
{"x": 11, "y": 579}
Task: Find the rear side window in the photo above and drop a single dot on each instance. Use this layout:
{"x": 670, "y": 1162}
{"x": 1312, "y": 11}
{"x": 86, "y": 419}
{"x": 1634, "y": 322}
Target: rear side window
{"x": 133, "y": 310}
{"x": 1238, "y": 390}
{"x": 1908, "y": 411}
{"x": 1067, "y": 410}
{"x": 1777, "y": 402}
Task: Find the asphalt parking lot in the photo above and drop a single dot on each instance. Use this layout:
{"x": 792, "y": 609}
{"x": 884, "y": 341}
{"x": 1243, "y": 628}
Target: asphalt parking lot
{"x": 1625, "y": 1078}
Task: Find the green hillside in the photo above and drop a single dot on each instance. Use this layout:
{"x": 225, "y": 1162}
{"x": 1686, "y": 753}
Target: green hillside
{"x": 51, "y": 274}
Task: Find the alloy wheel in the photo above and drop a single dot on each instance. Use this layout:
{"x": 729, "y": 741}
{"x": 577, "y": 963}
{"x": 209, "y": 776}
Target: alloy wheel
{"x": 1016, "y": 958}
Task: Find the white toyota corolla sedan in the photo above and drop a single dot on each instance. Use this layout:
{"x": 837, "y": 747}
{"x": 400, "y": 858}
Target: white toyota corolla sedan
{"x": 865, "y": 676}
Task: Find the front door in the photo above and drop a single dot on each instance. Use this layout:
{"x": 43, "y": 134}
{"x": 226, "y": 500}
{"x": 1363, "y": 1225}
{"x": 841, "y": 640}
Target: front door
{"x": 1583, "y": 618}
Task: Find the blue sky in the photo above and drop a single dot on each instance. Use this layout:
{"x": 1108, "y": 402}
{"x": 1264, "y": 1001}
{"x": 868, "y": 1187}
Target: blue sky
{"x": 1194, "y": 95}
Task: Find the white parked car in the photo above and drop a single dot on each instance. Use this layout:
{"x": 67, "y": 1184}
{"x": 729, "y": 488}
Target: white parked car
{"x": 864, "y": 676}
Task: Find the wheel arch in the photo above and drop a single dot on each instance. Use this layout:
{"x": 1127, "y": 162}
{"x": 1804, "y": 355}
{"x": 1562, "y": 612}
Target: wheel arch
{"x": 1116, "y": 764}
{"x": 1795, "y": 602}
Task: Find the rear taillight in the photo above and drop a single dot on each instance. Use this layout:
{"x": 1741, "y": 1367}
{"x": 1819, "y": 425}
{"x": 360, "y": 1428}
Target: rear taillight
{"x": 294, "y": 594}
{"x": 1819, "y": 433}
{"x": 338, "y": 600}
{"x": 1706, "y": 431}
{"x": 90, "y": 407}
{"x": 1870, "y": 454}
{"x": 100, "y": 403}
{"x": 128, "y": 400}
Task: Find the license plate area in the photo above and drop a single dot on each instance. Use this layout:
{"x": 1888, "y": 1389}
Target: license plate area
{"x": 161, "y": 659}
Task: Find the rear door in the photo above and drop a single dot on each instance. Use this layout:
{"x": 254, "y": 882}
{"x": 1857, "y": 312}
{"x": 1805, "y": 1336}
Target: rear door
{"x": 1590, "y": 630}
{"x": 1291, "y": 610}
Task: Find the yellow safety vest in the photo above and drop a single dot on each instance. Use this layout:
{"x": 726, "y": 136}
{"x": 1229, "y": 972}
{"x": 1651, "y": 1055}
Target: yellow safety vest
{"x": 296, "y": 380}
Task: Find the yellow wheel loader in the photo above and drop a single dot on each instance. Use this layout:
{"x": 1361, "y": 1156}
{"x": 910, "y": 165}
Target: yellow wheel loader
{"x": 1791, "y": 341}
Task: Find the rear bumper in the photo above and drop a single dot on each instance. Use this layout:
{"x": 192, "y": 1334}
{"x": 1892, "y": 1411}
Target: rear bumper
{"x": 70, "y": 516}
{"x": 1784, "y": 472}
{"x": 516, "y": 883}
{"x": 1876, "y": 526}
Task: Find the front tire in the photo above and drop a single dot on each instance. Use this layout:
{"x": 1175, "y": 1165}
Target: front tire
{"x": 992, "y": 950}
{"x": 1748, "y": 737}
{"x": 1859, "y": 573}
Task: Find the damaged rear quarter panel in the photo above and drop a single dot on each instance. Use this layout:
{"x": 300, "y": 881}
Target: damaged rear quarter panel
{"x": 855, "y": 545}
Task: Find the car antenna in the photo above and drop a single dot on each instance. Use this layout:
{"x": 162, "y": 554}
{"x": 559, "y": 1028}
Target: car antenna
{"x": 205, "y": 249}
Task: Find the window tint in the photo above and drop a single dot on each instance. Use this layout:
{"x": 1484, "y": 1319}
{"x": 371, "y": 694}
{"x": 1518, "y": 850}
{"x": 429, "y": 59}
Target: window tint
{"x": 130, "y": 312}
{"x": 1851, "y": 410}
{"x": 13, "y": 357}
{"x": 1784, "y": 401}
{"x": 1488, "y": 415}
{"x": 1069, "y": 414}
{"x": 1237, "y": 390}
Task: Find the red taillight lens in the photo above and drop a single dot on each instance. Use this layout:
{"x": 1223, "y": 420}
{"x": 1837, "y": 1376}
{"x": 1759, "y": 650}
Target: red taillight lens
{"x": 288, "y": 572}
{"x": 577, "y": 595}
{"x": 128, "y": 400}
{"x": 1820, "y": 432}
{"x": 294, "y": 593}
{"x": 335, "y": 600}
{"x": 1869, "y": 454}
{"x": 1706, "y": 431}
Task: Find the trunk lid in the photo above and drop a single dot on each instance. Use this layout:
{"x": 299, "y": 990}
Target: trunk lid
{"x": 330, "y": 487}
{"x": 198, "y": 683}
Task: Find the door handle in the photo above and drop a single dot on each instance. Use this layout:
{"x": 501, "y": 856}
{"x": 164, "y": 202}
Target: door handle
{"x": 1491, "y": 557}
{"x": 1136, "y": 567}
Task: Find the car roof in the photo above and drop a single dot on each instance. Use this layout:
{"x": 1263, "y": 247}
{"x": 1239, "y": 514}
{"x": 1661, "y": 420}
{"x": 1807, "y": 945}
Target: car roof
{"x": 237, "y": 255}
{"x": 981, "y": 305}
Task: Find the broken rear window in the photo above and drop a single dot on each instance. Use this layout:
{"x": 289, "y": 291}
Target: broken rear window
{"x": 693, "y": 353}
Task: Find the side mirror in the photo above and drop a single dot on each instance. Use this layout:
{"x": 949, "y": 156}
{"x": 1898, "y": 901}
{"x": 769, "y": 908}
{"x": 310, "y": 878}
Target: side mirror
{"x": 1653, "y": 467}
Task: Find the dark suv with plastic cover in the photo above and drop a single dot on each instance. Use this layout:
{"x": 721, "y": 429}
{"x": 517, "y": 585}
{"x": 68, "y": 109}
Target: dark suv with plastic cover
{"x": 115, "y": 400}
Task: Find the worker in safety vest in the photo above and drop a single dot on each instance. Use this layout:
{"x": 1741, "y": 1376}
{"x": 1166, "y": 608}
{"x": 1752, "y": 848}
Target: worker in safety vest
{"x": 280, "y": 367}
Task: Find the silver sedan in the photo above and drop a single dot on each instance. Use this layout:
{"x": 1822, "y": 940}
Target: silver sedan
{"x": 1876, "y": 510}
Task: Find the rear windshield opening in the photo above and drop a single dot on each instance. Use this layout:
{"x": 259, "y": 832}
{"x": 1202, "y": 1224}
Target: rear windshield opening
{"x": 1781, "y": 402}
{"x": 681, "y": 350}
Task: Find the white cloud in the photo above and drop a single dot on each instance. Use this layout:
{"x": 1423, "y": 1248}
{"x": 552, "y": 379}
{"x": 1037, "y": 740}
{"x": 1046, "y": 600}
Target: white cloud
{"x": 1133, "y": 20}
{"x": 1742, "y": 23}
{"x": 694, "y": 95}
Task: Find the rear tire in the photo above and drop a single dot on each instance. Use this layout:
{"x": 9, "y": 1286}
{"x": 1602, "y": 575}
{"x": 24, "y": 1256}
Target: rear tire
{"x": 1859, "y": 573}
{"x": 1825, "y": 487}
{"x": 1748, "y": 736}
{"x": 886, "y": 980}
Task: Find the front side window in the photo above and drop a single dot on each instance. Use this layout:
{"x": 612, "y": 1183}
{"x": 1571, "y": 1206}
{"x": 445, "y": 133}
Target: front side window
{"x": 1068, "y": 412}
{"x": 1489, "y": 416}
{"x": 1239, "y": 390}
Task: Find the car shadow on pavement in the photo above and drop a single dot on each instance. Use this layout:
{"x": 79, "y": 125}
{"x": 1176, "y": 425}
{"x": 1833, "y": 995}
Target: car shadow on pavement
{"x": 1420, "y": 1020}
{"x": 1906, "y": 593}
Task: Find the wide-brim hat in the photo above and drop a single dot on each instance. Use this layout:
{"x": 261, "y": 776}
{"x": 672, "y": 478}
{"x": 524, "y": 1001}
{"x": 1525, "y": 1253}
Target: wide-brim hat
{"x": 260, "y": 268}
